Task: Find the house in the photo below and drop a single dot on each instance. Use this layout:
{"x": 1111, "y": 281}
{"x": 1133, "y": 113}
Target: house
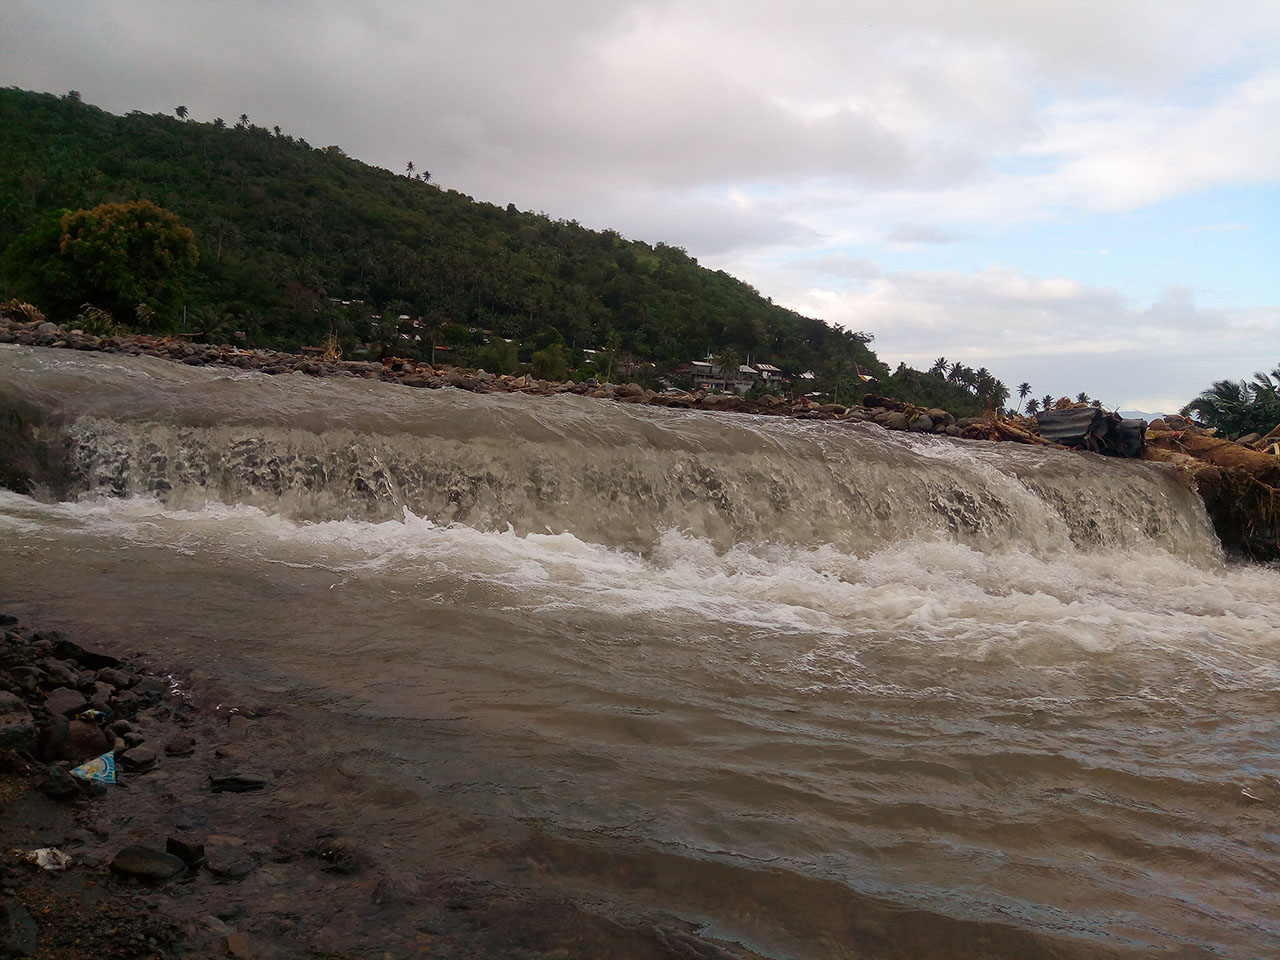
{"x": 768, "y": 372}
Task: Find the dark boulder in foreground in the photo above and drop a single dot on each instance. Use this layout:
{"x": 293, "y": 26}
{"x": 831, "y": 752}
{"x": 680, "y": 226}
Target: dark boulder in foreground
{"x": 144, "y": 863}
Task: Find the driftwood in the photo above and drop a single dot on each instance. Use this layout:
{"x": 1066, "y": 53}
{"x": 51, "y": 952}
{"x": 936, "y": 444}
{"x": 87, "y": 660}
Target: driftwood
{"x": 1240, "y": 487}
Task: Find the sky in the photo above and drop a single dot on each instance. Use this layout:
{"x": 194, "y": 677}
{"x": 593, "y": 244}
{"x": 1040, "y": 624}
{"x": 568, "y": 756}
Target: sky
{"x": 1081, "y": 195}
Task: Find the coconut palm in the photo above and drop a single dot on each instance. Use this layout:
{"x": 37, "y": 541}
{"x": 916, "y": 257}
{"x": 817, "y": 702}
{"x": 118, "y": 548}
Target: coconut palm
{"x": 727, "y": 361}
{"x": 1033, "y": 407}
{"x": 181, "y": 112}
{"x": 1024, "y": 390}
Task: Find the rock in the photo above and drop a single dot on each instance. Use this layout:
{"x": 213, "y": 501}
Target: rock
{"x": 139, "y": 758}
{"x": 64, "y": 701}
{"x": 891, "y": 419}
{"x": 85, "y": 656}
{"x": 180, "y": 746}
{"x": 117, "y": 678}
{"x": 240, "y": 946}
{"x": 121, "y": 727}
{"x": 238, "y": 726}
{"x": 59, "y": 784}
{"x": 8, "y": 620}
{"x": 461, "y": 381}
{"x": 229, "y": 863}
{"x": 132, "y": 738}
{"x": 146, "y": 863}
{"x": 47, "y": 329}
{"x": 72, "y": 740}
{"x": 17, "y": 728}
{"x": 187, "y": 850}
{"x": 19, "y": 934}
{"x": 836, "y": 408}
{"x": 873, "y": 400}
{"x": 59, "y": 674}
{"x": 239, "y": 783}
{"x": 921, "y": 424}
{"x": 1249, "y": 439}
{"x": 340, "y": 854}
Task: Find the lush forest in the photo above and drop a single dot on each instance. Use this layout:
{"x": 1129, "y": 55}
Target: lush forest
{"x": 299, "y": 243}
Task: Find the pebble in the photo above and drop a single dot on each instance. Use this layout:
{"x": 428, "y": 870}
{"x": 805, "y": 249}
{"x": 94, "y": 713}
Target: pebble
{"x": 180, "y": 746}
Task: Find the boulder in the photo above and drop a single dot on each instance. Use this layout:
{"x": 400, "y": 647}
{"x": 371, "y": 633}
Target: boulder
{"x": 64, "y": 701}
{"x": 146, "y": 863}
{"x": 72, "y": 740}
{"x": 921, "y": 423}
{"x": 891, "y": 419}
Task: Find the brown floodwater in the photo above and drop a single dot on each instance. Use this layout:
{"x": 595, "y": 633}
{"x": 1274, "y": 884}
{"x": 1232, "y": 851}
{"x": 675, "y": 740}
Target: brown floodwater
{"x": 817, "y": 690}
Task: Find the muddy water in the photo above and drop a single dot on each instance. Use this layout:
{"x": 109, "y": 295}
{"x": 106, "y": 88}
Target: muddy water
{"x": 816, "y": 690}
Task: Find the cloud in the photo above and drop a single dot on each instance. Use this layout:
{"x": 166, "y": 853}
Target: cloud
{"x": 865, "y": 147}
{"x": 1061, "y": 335}
{"x": 914, "y": 233}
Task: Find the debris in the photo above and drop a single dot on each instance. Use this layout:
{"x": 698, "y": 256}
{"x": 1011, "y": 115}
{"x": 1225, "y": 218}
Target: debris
{"x": 47, "y": 858}
{"x": 101, "y": 769}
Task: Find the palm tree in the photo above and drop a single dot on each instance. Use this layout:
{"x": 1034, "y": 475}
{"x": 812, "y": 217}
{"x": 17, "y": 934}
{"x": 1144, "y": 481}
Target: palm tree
{"x": 1047, "y": 403}
{"x": 1236, "y": 407}
{"x": 244, "y": 121}
{"x": 408, "y": 169}
{"x": 181, "y": 112}
{"x": 1024, "y": 390}
{"x": 728, "y": 360}
{"x": 1082, "y": 397}
{"x": 939, "y": 367}
{"x": 219, "y": 123}
{"x": 1033, "y": 407}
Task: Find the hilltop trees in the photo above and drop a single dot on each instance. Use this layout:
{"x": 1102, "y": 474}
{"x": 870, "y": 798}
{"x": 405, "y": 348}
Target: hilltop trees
{"x": 125, "y": 258}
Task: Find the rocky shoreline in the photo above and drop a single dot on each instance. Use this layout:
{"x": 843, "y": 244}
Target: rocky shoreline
{"x": 216, "y": 838}
{"x": 889, "y": 414}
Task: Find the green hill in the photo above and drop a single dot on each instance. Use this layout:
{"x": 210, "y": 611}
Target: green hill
{"x": 282, "y": 227}
{"x": 298, "y": 242}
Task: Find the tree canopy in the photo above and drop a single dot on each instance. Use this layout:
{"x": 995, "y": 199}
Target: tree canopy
{"x": 125, "y": 258}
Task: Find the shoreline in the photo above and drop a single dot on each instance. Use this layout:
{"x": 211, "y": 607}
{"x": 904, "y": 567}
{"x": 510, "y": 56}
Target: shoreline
{"x": 210, "y": 844}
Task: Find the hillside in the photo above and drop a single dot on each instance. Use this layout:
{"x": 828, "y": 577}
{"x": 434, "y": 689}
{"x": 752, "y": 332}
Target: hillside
{"x": 283, "y": 226}
{"x": 298, "y": 242}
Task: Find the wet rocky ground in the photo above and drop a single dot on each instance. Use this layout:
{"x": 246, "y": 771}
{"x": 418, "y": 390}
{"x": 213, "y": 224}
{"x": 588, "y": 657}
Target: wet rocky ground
{"x": 215, "y": 840}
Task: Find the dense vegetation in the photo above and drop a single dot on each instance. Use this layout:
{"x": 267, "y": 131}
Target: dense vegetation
{"x": 299, "y": 243}
{"x": 1238, "y": 407}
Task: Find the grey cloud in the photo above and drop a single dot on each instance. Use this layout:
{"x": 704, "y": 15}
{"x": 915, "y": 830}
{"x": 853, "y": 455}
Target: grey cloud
{"x": 840, "y": 265}
{"x": 923, "y": 233}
